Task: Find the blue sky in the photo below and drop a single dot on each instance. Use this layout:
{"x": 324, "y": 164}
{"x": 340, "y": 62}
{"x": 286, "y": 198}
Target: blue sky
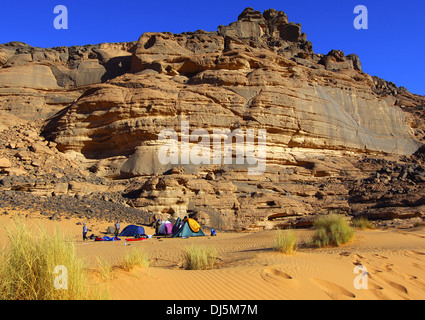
{"x": 393, "y": 47}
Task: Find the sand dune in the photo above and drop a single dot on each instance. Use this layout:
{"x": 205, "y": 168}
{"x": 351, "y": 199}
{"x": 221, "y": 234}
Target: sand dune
{"x": 248, "y": 269}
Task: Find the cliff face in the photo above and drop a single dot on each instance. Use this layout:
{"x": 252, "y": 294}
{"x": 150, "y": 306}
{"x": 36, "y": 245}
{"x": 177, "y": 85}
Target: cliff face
{"x": 321, "y": 113}
{"x": 36, "y": 83}
{"x": 257, "y": 73}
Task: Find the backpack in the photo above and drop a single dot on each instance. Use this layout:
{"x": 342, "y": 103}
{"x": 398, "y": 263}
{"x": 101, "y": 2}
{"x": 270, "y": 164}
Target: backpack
{"x": 213, "y": 232}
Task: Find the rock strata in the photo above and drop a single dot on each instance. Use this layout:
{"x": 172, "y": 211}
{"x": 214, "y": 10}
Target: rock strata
{"x": 85, "y": 123}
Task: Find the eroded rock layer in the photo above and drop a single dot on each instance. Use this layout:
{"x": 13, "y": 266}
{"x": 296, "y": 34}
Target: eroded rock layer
{"x": 330, "y": 127}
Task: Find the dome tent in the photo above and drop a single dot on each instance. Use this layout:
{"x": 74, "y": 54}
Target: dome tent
{"x": 166, "y": 228}
{"x": 190, "y": 228}
{"x": 132, "y": 231}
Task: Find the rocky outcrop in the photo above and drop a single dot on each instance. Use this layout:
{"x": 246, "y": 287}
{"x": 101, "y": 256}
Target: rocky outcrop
{"x": 330, "y": 126}
{"x": 272, "y": 24}
{"x": 36, "y": 83}
{"x": 394, "y": 191}
{"x": 225, "y": 80}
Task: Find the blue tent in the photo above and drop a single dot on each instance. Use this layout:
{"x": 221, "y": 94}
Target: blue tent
{"x": 132, "y": 231}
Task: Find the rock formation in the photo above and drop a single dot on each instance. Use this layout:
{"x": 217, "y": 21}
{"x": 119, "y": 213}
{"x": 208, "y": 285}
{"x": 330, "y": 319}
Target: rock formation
{"x": 37, "y": 83}
{"x": 331, "y": 128}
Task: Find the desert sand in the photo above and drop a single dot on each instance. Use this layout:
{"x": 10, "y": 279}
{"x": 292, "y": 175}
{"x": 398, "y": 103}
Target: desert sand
{"x": 248, "y": 268}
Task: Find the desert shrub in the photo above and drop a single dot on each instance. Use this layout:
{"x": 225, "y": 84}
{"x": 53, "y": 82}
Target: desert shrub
{"x": 199, "y": 257}
{"x": 27, "y": 267}
{"x": 332, "y": 230}
{"x": 362, "y": 223}
{"x": 285, "y": 242}
{"x": 135, "y": 258}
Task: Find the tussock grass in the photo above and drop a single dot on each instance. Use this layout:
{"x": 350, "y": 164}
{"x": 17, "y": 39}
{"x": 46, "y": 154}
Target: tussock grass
{"x": 332, "y": 230}
{"x": 285, "y": 242}
{"x": 105, "y": 270}
{"x": 362, "y": 223}
{"x": 27, "y": 267}
{"x": 135, "y": 258}
{"x": 199, "y": 257}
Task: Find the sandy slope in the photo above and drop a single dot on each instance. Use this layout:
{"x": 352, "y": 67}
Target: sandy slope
{"x": 249, "y": 269}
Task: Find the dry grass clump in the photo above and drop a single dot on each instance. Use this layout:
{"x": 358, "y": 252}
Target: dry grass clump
{"x": 285, "y": 242}
{"x": 135, "y": 258}
{"x": 39, "y": 266}
{"x": 199, "y": 257}
{"x": 105, "y": 269}
{"x": 362, "y": 223}
{"x": 332, "y": 230}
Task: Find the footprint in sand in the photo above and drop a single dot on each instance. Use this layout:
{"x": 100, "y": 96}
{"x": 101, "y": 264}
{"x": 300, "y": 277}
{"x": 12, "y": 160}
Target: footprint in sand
{"x": 418, "y": 283}
{"x": 333, "y": 290}
{"x": 389, "y": 267}
{"x": 398, "y": 287}
{"x": 380, "y": 256}
{"x": 376, "y": 291}
{"x": 373, "y": 286}
{"x": 276, "y": 277}
{"x": 349, "y": 254}
{"x": 415, "y": 235}
{"x": 417, "y": 255}
{"x": 419, "y": 266}
{"x": 357, "y": 262}
{"x": 356, "y": 258}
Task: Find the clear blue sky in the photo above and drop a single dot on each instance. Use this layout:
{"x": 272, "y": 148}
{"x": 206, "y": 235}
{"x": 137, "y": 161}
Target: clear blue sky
{"x": 392, "y": 48}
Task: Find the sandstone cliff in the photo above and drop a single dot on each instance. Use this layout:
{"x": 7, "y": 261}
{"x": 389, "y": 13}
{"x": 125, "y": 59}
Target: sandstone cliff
{"x": 36, "y": 83}
{"x": 330, "y": 126}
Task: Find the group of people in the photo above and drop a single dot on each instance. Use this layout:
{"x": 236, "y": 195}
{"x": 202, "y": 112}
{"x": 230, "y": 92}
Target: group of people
{"x": 117, "y": 227}
{"x": 159, "y": 222}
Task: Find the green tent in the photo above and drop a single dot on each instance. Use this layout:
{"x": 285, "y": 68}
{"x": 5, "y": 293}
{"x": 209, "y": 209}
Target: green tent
{"x": 186, "y": 231}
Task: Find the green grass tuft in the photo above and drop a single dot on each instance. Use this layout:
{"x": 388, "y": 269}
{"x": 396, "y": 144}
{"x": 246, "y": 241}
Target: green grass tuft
{"x": 285, "y": 242}
{"x": 332, "y": 230}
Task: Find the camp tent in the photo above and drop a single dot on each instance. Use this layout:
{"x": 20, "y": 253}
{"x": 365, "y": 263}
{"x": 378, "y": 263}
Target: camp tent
{"x": 166, "y": 228}
{"x": 177, "y": 224}
{"x": 132, "y": 231}
{"x": 190, "y": 228}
